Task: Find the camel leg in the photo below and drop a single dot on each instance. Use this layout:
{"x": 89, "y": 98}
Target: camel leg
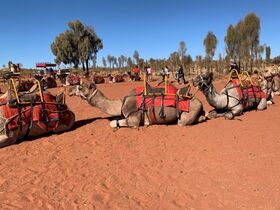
{"x": 133, "y": 120}
{"x": 262, "y": 105}
{"x": 6, "y": 141}
{"x": 214, "y": 114}
{"x": 236, "y": 111}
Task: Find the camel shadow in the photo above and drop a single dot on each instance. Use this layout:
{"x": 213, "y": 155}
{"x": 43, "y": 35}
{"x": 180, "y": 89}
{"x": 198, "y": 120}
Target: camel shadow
{"x": 81, "y": 123}
{"x": 77, "y": 124}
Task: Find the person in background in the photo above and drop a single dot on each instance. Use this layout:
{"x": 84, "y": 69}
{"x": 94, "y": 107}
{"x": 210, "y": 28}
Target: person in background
{"x": 180, "y": 75}
{"x": 149, "y": 73}
{"x": 234, "y": 66}
{"x": 136, "y": 72}
{"x": 162, "y": 73}
{"x": 166, "y": 71}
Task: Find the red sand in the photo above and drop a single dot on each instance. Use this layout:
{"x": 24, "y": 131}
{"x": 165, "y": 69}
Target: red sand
{"x": 218, "y": 164}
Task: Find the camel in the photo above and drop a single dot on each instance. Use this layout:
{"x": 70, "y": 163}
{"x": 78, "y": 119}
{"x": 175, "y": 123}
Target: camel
{"x": 33, "y": 121}
{"x": 73, "y": 79}
{"x": 97, "y": 79}
{"x": 116, "y": 78}
{"x": 130, "y": 116}
{"x": 228, "y": 103}
{"x": 271, "y": 75}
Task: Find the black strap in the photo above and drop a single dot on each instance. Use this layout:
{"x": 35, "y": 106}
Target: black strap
{"x": 153, "y": 103}
{"x": 177, "y": 106}
{"x": 161, "y": 113}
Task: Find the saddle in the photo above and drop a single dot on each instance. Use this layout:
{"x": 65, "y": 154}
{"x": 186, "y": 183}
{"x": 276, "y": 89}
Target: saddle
{"x": 33, "y": 106}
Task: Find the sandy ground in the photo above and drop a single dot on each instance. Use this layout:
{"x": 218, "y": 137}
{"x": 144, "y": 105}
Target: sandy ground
{"x": 218, "y": 164}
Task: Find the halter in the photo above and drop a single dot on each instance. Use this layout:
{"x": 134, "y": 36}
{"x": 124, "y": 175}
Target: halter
{"x": 92, "y": 95}
{"x": 203, "y": 83}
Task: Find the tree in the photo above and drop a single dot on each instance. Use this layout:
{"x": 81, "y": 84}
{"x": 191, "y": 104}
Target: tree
{"x": 242, "y": 41}
{"x": 210, "y": 44}
{"x": 110, "y": 60}
{"x": 232, "y": 42}
{"x": 136, "y": 57}
{"x": 174, "y": 59}
{"x": 77, "y": 45}
{"x": 251, "y": 30}
{"x": 94, "y": 61}
{"x": 276, "y": 60}
{"x": 267, "y": 54}
{"x": 182, "y": 51}
{"x": 129, "y": 62}
{"x": 104, "y": 62}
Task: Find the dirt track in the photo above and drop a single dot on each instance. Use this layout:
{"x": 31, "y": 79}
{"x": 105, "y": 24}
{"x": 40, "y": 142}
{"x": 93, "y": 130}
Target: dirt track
{"x": 218, "y": 164}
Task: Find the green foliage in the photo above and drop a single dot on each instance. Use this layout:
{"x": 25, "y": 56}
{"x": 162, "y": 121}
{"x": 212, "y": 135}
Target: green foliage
{"x": 129, "y": 62}
{"x": 267, "y": 54}
{"x": 136, "y": 57}
{"x": 182, "y": 51}
{"x": 276, "y": 60}
{"x": 210, "y": 44}
{"x": 174, "y": 59}
{"x": 104, "y": 62}
{"x": 242, "y": 40}
{"x": 77, "y": 45}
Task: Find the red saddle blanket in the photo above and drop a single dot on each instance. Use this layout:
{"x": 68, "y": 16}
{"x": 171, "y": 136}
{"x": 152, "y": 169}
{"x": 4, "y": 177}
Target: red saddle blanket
{"x": 47, "y": 115}
{"x": 169, "y": 100}
{"x": 248, "y": 93}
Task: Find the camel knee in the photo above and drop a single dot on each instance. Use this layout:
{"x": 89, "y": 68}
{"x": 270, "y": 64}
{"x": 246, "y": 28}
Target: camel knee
{"x": 6, "y": 141}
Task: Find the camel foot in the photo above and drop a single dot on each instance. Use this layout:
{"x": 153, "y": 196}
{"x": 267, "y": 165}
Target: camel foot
{"x": 212, "y": 114}
{"x": 269, "y": 102}
{"x": 201, "y": 118}
{"x": 113, "y": 124}
{"x": 118, "y": 123}
{"x": 229, "y": 116}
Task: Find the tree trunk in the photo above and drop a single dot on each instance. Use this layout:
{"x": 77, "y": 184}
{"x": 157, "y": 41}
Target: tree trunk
{"x": 87, "y": 66}
{"x": 83, "y": 66}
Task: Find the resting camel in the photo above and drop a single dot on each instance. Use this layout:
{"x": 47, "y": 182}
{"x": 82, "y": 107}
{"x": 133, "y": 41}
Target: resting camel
{"x": 116, "y": 78}
{"x": 97, "y": 79}
{"x": 33, "y": 121}
{"x": 130, "y": 116}
{"x": 229, "y": 102}
{"x": 271, "y": 75}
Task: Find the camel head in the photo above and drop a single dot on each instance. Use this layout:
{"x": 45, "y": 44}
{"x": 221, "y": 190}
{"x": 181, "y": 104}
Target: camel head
{"x": 203, "y": 81}
{"x": 269, "y": 72}
{"x": 85, "y": 89}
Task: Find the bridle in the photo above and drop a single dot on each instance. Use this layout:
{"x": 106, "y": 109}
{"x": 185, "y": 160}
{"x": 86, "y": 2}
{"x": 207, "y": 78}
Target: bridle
{"x": 88, "y": 98}
{"x": 204, "y": 84}
{"x": 92, "y": 95}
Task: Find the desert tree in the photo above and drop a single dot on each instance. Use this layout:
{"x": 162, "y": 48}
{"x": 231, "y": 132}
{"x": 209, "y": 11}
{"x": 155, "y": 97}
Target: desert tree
{"x": 77, "y": 45}
{"x": 267, "y": 55}
{"x": 104, "y": 62}
{"x": 210, "y": 44}
{"x": 251, "y": 30}
{"x": 182, "y": 51}
{"x": 129, "y": 62}
{"x": 136, "y": 56}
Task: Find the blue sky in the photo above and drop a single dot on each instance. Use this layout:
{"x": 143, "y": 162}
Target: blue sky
{"x": 152, "y": 27}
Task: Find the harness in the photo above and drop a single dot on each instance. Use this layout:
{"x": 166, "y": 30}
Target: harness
{"x": 45, "y": 111}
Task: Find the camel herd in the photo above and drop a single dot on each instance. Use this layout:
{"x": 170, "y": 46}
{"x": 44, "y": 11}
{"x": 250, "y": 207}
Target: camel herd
{"x": 239, "y": 95}
{"x": 144, "y": 105}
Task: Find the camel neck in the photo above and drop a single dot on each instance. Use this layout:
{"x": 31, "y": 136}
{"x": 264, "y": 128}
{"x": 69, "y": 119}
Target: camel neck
{"x": 109, "y": 106}
{"x": 216, "y": 100}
